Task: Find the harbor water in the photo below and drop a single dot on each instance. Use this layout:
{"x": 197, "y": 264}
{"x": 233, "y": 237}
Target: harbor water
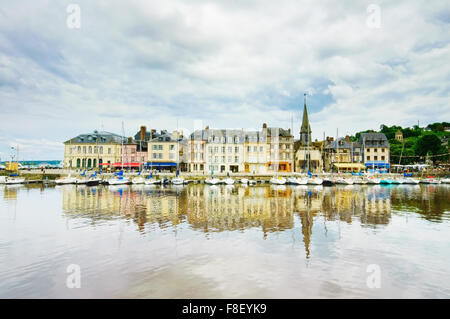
{"x": 200, "y": 241}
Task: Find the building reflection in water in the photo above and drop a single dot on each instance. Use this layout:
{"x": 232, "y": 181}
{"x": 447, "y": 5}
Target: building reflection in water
{"x": 230, "y": 208}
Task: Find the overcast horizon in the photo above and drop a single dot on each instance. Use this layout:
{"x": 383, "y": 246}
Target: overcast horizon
{"x": 225, "y": 64}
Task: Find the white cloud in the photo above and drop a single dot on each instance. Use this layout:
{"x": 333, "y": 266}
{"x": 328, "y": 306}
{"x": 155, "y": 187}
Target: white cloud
{"x": 227, "y": 63}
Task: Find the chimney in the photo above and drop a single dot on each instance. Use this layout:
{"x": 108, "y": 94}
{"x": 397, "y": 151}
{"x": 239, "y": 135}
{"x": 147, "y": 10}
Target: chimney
{"x": 143, "y": 133}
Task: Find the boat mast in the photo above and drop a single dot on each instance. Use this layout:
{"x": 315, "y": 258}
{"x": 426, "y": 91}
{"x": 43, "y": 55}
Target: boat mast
{"x": 123, "y": 135}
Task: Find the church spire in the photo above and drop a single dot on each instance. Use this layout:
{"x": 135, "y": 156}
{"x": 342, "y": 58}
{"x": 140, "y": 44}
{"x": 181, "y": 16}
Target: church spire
{"x": 305, "y": 131}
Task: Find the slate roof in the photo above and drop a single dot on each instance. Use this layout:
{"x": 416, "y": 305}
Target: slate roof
{"x": 374, "y": 140}
{"x": 103, "y": 138}
{"x": 342, "y": 144}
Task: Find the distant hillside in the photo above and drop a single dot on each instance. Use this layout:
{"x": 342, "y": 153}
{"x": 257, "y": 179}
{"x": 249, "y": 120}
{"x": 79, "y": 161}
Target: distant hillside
{"x": 434, "y": 139}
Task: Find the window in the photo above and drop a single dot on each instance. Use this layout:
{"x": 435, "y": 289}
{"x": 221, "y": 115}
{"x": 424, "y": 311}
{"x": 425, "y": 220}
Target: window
{"x": 248, "y": 148}
{"x": 374, "y": 149}
{"x": 229, "y": 159}
{"x": 84, "y": 149}
{"x": 382, "y": 158}
{"x": 223, "y": 149}
{"x": 223, "y": 159}
{"x": 375, "y": 158}
{"x": 368, "y": 158}
{"x": 109, "y": 150}
{"x": 382, "y": 150}
{"x": 90, "y": 151}
{"x": 171, "y": 147}
{"x": 230, "y": 149}
{"x": 101, "y": 149}
{"x": 261, "y": 148}
{"x": 160, "y": 147}
{"x": 216, "y": 149}
{"x": 216, "y": 159}
{"x": 236, "y": 159}
{"x": 236, "y": 149}
{"x": 79, "y": 149}
{"x": 171, "y": 156}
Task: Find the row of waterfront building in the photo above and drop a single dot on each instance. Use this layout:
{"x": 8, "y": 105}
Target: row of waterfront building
{"x": 270, "y": 150}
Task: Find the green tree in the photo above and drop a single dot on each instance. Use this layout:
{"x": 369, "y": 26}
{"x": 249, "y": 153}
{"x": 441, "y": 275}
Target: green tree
{"x": 428, "y": 143}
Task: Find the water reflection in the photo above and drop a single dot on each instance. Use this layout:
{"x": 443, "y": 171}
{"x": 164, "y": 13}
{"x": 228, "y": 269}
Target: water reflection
{"x": 224, "y": 241}
{"x": 236, "y": 208}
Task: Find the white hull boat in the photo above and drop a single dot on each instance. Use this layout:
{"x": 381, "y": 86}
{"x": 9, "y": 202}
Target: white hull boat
{"x": 138, "y": 180}
{"x": 373, "y": 181}
{"x": 152, "y": 181}
{"x": 410, "y": 180}
{"x": 360, "y": 181}
{"x": 66, "y": 180}
{"x": 315, "y": 181}
{"x": 430, "y": 181}
{"x": 14, "y": 180}
{"x": 244, "y": 181}
{"x": 177, "y": 181}
{"x": 229, "y": 181}
{"x": 344, "y": 181}
{"x": 293, "y": 181}
{"x": 278, "y": 180}
{"x": 80, "y": 181}
{"x": 445, "y": 180}
{"x": 118, "y": 181}
{"x": 212, "y": 181}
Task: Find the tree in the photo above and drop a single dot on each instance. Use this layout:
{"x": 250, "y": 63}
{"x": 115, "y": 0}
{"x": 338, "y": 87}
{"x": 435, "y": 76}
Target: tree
{"x": 428, "y": 143}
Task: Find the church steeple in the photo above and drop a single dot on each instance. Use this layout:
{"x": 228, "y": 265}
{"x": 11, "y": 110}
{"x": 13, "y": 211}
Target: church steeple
{"x": 305, "y": 130}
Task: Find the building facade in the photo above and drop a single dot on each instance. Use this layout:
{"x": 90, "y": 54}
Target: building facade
{"x": 90, "y": 150}
{"x": 375, "y": 150}
{"x": 164, "y": 151}
{"x": 342, "y": 155}
{"x": 233, "y": 151}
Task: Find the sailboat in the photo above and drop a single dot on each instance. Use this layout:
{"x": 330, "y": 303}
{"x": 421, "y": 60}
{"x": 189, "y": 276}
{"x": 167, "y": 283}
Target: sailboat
{"x": 93, "y": 180}
{"x": 119, "y": 179}
{"x": 14, "y": 179}
{"x": 82, "y": 179}
{"x": 66, "y": 180}
{"x": 151, "y": 181}
{"x": 138, "y": 179}
{"x": 178, "y": 180}
{"x": 212, "y": 180}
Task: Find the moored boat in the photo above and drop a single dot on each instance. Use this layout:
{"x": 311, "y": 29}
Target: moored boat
{"x": 343, "y": 181}
{"x": 315, "y": 181}
{"x": 66, "y": 180}
{"x": 278, "y": 180}
{"x": 229, "y": 181}
{"x": 212, "y": 181}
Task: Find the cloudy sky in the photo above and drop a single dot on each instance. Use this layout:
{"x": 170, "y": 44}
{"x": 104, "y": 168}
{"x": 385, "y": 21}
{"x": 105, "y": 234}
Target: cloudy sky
{"x": 228, "y": 64}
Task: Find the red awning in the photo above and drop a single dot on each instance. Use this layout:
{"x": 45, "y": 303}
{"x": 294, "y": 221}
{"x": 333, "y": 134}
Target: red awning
{"x": 105, "y": 163}
{"x": 127, "y": 164}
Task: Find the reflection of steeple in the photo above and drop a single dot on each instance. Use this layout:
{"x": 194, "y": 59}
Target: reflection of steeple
{"x": 307, "y": 223}
{"x": 305, "y": 131}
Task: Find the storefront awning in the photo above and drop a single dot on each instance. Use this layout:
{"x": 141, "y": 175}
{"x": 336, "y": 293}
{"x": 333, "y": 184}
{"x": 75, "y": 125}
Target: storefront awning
{"x": 126, "y": 164}
{"x": 158, "y": 164}
{"x": 376, "y": 164}
{"x": 350, "y": 165}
